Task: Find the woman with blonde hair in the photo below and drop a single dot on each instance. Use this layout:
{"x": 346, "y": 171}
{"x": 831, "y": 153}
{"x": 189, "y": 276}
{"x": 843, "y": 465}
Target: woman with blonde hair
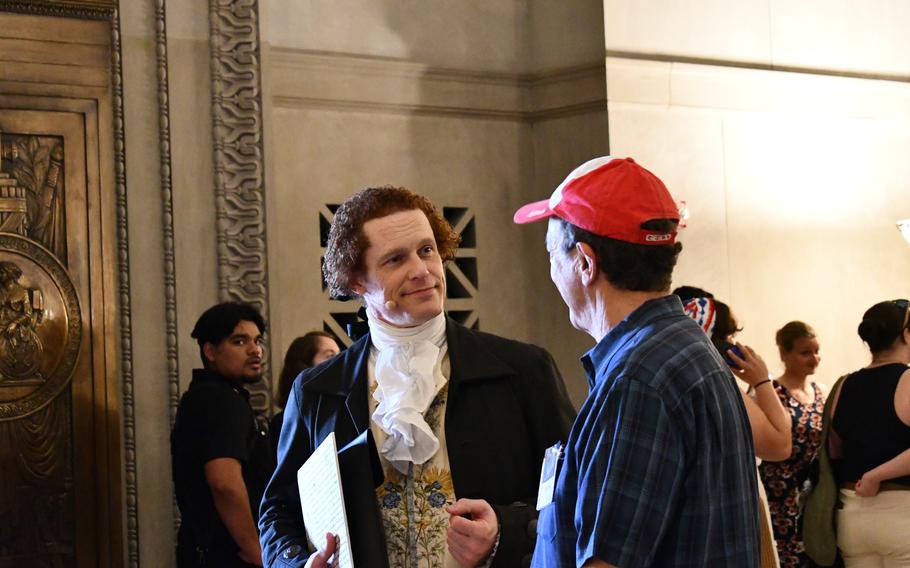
{"x": 787, "y": 481}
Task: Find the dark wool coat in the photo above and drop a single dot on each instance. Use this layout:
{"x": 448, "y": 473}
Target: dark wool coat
{"x": 506, "y": 404}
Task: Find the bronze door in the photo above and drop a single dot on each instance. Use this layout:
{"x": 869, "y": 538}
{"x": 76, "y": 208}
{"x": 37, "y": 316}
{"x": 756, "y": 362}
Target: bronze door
{"x": 55, "y": 404}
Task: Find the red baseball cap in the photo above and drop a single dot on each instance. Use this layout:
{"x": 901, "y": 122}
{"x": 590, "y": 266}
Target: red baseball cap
{"x": 610, "y": 197}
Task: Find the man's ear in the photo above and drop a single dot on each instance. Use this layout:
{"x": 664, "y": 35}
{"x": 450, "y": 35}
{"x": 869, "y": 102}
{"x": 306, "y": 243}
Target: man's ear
{"x": 356, "y": 285}
{"x": 208, "y": 351}
{"x": 587, "y": 263}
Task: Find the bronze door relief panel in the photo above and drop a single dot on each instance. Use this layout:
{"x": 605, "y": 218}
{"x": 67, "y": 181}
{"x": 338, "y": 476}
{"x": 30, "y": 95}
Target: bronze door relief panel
{"x": 43, "y": 433}
{"x": 40, "y": 332}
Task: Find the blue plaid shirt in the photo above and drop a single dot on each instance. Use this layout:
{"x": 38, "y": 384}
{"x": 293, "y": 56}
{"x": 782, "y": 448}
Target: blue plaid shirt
{"x": 659, "y": 468}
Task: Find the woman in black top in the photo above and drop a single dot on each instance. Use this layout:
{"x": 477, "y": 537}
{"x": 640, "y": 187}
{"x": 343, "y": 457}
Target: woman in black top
{"x": 870, "y": 441}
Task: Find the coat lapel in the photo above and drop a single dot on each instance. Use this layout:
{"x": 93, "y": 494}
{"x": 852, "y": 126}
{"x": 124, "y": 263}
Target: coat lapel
{"x": 356, "y": 399}
{"x": 475, "y": 388}
{"x": 470, "y": 359}
{"x": 346, "y": 378}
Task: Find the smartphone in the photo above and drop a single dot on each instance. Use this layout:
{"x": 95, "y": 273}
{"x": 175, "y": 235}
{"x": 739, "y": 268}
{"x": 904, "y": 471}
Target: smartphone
{"x": 727, "y": 346}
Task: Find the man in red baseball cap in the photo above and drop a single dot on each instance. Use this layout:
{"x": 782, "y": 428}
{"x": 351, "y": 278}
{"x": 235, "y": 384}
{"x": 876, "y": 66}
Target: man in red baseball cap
{"x": 659, "y": 466}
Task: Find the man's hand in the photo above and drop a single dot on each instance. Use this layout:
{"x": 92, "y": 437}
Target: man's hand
{"x": 321, "y": 558}
{"x": 867, "y": 486}
{"x": 471, "y": 539}
{"x": 225, "y": 479}
{"x": 251, "y": 557}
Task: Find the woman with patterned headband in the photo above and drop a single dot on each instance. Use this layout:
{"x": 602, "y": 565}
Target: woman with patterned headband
{"x": 769, "y": 420}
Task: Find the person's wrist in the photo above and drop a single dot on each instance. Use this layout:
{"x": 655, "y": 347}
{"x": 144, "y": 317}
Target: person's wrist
{"x": 488, "y": 561}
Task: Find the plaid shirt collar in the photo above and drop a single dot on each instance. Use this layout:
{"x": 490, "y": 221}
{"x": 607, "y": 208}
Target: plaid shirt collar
{"x": 599, "y": 357}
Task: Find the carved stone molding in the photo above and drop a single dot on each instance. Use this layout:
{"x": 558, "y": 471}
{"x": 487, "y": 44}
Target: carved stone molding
{"x": 239, "y": 164}
{"x": 307, "y": 79}
{"x": 167, "y": 221}
{"x": 126, "y": 325}
{"x": 167, "y": 206}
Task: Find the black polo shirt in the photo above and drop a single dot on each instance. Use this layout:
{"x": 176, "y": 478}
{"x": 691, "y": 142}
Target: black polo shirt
{"x": 215, "y": 420}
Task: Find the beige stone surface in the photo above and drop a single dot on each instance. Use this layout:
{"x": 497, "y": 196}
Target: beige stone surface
{"x": 865, "y": 37}
{"x": 459, "y": 163}
{"x": 488, "y": 166}
{"x": 306, "y": 78}
{"x": 817, "y": 228}
{"x": 563, "y": 34}
{"x": 474, "y": 33}
{"x": 187, "y": 21}
{"x": 868, "y": 38}
{"x": 717, "y": 87}
{"x": 492, "y": 117}
{"x": 711, "y": 29}
{"x": 792, "y": 204}
{"x": 150, "y": 392}
{"x": 560, "y": 145}
{"x": 636, "y": 81}
{"x": 685, "y": 149}
{"x": 193, "y": 192}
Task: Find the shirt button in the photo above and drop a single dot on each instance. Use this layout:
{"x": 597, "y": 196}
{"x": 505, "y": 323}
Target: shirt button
{"x": 291, "y": 552}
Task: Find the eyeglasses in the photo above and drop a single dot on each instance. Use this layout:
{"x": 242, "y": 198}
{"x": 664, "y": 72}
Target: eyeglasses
{"x": 904, "y": 305}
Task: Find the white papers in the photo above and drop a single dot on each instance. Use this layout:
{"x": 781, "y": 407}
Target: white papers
{"x": 322, "y": 500}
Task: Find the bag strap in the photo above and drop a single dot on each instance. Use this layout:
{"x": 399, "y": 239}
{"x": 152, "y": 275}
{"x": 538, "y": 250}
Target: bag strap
{"x": 826, "y": 416}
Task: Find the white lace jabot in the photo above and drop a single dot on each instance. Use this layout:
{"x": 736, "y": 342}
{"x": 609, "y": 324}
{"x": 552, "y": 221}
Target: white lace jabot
{"x": 408, "y": 376}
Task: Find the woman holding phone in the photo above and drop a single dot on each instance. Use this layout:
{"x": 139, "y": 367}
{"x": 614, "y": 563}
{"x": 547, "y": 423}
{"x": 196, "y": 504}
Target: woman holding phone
{"x": 769, "y": 420}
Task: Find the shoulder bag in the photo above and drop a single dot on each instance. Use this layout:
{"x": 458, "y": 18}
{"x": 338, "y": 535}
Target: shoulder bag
{"x": 818, "y": 520}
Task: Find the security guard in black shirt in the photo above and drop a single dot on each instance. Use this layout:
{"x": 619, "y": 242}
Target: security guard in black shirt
{"x": 220, "y": 451}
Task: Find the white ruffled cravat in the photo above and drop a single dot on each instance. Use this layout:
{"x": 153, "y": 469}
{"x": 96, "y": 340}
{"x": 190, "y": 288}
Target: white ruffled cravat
{"x": 408, "y": 376}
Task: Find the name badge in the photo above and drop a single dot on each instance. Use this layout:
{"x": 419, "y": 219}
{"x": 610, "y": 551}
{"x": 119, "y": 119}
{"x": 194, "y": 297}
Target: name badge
{"x": 548, "y": 473}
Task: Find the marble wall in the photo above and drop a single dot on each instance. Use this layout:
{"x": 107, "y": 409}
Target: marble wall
{"x": 491, "y": 116}
{"x": 784, "y": 127}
